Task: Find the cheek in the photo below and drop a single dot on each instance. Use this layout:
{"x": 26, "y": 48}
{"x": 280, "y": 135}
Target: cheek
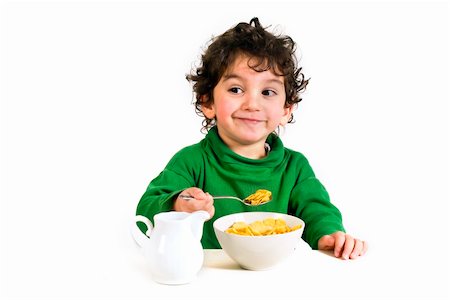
{"x": 278, "y": 115}
{"x": 275, "y": 111}
{"x": 224, "y": 109}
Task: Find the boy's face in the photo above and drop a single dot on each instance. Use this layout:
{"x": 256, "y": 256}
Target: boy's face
{"x": 248, "y": 106}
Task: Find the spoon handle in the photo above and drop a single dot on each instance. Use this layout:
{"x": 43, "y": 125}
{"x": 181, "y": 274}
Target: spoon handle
{"x": 187, "y": 197}
{"x": 227, "y": 197}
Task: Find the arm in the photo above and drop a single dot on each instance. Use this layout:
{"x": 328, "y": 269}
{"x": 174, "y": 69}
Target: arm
{"x": 160, "y": 193}
{"x": 310, "y": 201}
{"x": 182, "y": 173}
{"x": 324, "y": 229}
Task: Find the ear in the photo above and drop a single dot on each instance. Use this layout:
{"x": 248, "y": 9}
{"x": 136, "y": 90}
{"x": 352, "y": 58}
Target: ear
{"x": 208, "y": 108}
{"x": 286, "y": 115}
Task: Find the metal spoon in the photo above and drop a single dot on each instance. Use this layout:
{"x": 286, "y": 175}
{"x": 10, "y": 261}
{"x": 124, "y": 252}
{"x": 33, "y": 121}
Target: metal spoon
{"x": 245, "y": 201}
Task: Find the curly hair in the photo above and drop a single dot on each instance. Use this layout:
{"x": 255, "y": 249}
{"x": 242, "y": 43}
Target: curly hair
{"x": 274, "y": 52}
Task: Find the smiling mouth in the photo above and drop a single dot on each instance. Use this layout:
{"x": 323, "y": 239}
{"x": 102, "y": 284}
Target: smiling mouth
{"x": 251, "y": 120}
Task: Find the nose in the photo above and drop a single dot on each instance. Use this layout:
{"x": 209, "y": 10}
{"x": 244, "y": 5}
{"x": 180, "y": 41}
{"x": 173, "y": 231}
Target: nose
{"x": 251, "y": 101}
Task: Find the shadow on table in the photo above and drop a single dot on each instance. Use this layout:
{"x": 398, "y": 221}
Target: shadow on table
{"x": 220, "y": 260}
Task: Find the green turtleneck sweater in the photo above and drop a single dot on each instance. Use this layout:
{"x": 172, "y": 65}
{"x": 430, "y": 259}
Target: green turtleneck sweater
{"x": 211, "y": 166}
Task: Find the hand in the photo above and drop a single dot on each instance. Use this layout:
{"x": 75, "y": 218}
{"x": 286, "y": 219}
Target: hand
{"x": 344, "y": 245}
{"x": 201, "y": 201}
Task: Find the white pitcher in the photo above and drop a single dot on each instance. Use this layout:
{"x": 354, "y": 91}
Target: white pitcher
{"x": 173, "y": 245}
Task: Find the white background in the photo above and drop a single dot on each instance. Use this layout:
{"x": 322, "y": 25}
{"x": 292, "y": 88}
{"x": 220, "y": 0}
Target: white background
{"x": 94, "y": 102}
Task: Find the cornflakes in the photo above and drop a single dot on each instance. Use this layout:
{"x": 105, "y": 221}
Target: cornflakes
{"x": 259, "y": 197}
{"x": 267, "y": 226}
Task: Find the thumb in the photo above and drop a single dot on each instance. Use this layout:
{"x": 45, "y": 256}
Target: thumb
{"x": 326, "y": 243}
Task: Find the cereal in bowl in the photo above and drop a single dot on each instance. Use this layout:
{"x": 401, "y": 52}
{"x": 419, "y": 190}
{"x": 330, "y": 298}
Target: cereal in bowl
{"x": 267, "y": 226}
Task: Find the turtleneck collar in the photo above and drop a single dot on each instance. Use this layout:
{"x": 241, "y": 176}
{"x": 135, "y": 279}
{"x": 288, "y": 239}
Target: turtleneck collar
{"x": 225, "y": 154}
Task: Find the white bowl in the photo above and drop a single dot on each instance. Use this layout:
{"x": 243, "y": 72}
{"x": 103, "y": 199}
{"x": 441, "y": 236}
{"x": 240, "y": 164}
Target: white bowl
{"x": 258, "y": 252}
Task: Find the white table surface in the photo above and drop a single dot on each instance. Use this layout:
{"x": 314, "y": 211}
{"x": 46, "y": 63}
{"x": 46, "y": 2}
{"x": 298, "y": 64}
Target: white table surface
{"x": 308, "y": 274}
{"x": 112, "y": 266}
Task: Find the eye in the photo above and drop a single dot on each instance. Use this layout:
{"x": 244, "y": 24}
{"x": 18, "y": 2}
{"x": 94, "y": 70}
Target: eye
{"x": 269, "y": 93}
{"x": 236, "y": 90}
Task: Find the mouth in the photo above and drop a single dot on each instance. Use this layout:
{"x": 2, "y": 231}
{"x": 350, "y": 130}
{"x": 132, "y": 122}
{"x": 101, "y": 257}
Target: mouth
{"x": 249, "y": 120}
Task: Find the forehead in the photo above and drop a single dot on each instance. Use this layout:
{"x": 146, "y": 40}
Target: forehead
{"x": 245, "y": 64}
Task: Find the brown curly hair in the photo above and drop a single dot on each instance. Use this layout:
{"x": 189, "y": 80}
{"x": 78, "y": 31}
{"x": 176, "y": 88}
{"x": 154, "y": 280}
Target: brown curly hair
{"x": 273, "y": 52}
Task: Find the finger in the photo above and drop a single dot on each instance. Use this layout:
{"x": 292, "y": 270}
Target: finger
{"x": 198, "y": 204}
{"x": 207, "y": 205}
{"x": 357, "y": 249}
{"x": 339, "y": 243}
{"x": 365, "y": 247}
{"x": 348, "y": 246}
{"x": 188, "y": 194}
{"x": 206, "y": 202}
{"x": 202, "y": 196}
{"x": 211, "y": 211}
{"x": 326, "y": 242}
{"x": 197, "y": 193}
{"x": 209, "y": 197}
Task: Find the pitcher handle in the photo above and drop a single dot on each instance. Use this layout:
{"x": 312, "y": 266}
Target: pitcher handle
{"x": 140, "y": 238}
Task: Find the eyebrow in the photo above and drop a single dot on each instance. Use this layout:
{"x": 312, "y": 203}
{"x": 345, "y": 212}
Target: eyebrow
{"x": 233, "y": 76}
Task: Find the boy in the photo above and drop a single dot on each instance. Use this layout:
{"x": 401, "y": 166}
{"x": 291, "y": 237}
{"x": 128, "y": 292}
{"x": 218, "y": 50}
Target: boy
{"x": 246, "y": 87}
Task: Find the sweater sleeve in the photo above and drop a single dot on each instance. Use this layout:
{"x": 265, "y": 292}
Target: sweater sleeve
{"x": 176, "y": 177}
{"x": 311, "y": 202}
